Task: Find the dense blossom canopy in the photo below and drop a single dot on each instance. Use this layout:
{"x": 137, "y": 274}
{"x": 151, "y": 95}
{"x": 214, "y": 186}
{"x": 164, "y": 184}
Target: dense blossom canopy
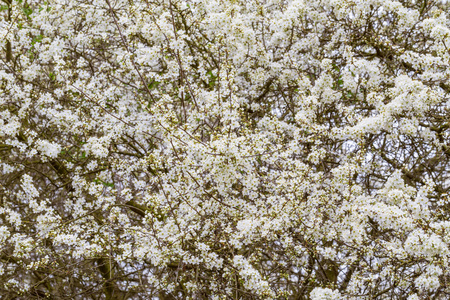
{"x": 224, "y": 149}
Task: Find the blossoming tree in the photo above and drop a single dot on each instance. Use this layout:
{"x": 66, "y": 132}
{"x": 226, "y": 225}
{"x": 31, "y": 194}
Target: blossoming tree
{"x": 224, "y": 149}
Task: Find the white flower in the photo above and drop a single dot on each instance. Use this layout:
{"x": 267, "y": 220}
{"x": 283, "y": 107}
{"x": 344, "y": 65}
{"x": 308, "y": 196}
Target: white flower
{"x": 325, "y": 294}
{"x": 48, "y": 148}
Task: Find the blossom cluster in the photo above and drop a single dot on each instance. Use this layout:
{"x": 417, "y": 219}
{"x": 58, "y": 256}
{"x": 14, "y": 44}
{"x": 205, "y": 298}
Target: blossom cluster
{"x": 224, "y": 149}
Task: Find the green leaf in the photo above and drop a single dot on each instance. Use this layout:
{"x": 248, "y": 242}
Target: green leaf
{"x": 37, "y": 39}
{"x": 27, "y": 11}
{"x": 46, "y": 7}
{"x": 154, "y": 84}
{"x": 212, "y": 79}
{"x": 108, "y": 184}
